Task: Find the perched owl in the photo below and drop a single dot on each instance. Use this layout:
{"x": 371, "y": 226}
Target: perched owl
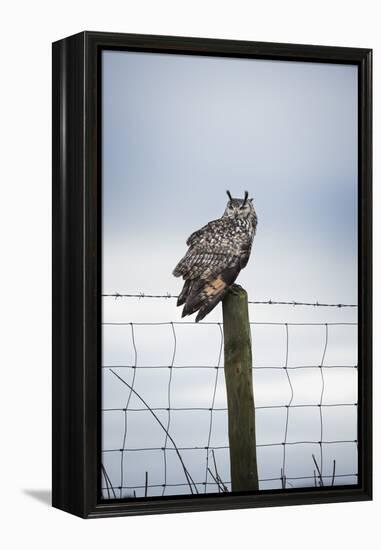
{"x": 217, "y": 252}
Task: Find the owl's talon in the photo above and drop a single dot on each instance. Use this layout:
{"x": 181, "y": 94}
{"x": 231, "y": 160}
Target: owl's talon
{"x": 235, "y": 289}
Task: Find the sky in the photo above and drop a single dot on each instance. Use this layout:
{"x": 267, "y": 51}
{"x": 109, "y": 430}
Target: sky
{"x": 178, "y": 131}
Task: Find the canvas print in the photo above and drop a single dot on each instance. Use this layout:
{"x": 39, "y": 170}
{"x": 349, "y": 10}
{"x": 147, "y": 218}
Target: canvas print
{"x": 229, "y": 275}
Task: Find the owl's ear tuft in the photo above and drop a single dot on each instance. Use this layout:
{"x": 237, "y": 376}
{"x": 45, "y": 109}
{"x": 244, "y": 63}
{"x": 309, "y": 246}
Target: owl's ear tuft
{"x": 245, "y": 198}
{"x": 229, "y": 195}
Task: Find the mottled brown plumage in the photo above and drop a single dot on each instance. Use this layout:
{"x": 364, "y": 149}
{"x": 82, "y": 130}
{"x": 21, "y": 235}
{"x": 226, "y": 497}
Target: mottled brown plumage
{"x": 217, "y": 252}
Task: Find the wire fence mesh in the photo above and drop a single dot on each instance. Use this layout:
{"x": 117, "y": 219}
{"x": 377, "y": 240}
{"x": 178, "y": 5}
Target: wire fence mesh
{"x": 164, "y": 463}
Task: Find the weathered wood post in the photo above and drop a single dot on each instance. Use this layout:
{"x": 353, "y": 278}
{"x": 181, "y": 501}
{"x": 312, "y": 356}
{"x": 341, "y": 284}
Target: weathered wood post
{"x": 239, "y": 389}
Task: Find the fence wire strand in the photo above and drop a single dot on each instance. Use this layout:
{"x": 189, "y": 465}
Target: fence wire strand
{"x": 169, "y": 406}
{"x": 126, "y": 408}
{"x": 321, "y": 401}
{"x": 212, "y": 404}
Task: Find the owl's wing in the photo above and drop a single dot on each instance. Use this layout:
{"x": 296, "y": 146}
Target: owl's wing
{"x": 208, "y": 252}
{"x": 209, "y": 229}
{"x": 211, "y": 265}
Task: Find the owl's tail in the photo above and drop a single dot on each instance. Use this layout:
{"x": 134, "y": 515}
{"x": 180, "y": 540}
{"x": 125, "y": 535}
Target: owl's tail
{"x": 184, "y": 293}
{"x": 203, "y": 297}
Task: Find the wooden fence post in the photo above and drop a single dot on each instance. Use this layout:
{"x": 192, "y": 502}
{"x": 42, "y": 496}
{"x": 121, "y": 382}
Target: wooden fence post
{"x": 239, "y": 389}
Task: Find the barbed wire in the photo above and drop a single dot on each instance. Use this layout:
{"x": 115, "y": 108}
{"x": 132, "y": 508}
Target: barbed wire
{"x": 169, "y": 295}
{"x": 212, "y": 479}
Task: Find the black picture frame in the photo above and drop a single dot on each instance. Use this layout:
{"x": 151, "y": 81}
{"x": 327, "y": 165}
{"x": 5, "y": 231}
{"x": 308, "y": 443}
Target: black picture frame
{"x": 77, "y": 259}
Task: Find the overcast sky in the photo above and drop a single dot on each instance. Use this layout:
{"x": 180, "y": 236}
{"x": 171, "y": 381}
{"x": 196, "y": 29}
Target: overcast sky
{"x": 177, "y": 132}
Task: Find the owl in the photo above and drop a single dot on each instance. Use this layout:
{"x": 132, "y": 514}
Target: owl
{"x": 217, "y": 252}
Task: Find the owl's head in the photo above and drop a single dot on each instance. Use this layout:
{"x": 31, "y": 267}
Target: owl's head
{"x": 239, "y": 208}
